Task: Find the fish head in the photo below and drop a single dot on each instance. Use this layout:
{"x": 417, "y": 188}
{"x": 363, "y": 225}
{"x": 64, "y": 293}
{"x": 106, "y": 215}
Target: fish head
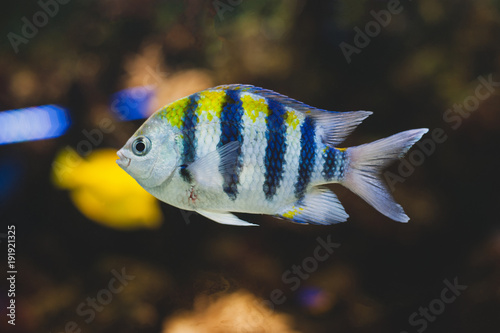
{"x": 150, "y": 156}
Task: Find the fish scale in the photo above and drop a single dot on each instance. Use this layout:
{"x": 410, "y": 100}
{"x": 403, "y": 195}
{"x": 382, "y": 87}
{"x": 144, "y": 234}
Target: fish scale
{"x": 231, "y": 125}
{"x": 275, "y": 149}
{"x": 308, "y": 154}
{"x": 189, "y": 121}
{"x": 274, "y": 115}
{"x": 239, "y": 148}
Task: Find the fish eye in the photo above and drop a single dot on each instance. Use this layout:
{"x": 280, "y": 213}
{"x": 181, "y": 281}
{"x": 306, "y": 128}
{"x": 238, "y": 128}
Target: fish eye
{"x": 141, "y": 146}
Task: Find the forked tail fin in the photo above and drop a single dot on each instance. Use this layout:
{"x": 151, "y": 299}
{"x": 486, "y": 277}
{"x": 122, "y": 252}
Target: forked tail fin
{"x": 366, "y": 163}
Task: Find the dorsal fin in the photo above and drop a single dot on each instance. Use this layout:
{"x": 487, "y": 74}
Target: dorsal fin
{"x": 285, "y": 100}
{"x": 334, "y": 126}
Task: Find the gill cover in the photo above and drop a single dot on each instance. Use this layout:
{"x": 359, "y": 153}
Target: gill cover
{"x": 150, "y": 155}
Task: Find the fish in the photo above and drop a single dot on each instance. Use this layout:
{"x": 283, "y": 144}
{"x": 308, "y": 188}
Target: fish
{"x": 102, "y": 192}
{"x": 244, "y": 149}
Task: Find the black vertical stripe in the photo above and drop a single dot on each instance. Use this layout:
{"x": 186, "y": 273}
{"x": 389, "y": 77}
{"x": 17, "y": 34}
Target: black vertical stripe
{"x": 189, "y": 141}
{"x": 334, "y": 164}
{"x": 329, "y": 165}
{"x": 340, "y": 163}
{"x": 231, "y": 119}
{"x": 307, "y": 156}
{"x": 274, "y": 160}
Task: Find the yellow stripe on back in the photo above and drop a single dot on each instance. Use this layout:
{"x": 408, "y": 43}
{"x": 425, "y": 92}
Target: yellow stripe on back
{"x": 210, "y": 104}
{"x": 254, "y": 107}
{"x": 174, "y": 112}
{"x": 291, "y": 119}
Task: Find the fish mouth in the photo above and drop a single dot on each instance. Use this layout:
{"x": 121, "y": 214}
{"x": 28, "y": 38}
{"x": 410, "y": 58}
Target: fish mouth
{"x": 123, "y": 161}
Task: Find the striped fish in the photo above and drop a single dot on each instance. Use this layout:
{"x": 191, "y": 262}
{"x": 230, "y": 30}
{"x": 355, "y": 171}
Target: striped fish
{"x": 240, "y": 148}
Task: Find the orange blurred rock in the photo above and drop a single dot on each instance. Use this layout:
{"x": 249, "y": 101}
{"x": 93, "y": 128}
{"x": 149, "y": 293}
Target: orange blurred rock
{"x": 237, "y": 312}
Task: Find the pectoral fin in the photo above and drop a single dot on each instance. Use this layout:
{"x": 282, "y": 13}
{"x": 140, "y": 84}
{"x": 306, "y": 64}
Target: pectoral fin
{"x": 207, "y": 170}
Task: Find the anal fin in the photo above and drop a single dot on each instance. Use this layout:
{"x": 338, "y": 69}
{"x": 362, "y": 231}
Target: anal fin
{"x": 319, "y": 206}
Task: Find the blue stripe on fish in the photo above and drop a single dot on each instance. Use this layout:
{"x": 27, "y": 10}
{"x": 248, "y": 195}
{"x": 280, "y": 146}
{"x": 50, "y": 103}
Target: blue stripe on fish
{"x": 307, "y": 156}
{"x": 231, "y": 130}
{"x": 329, "y": 166}
{"x": 341, "y": 162}
{"x": 274, "y": 160}
{"x": 189, "y": 141}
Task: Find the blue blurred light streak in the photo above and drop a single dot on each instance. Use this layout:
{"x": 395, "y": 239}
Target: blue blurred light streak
{"x": 33, "y": 123}
{"x": 133, "y": 103}
{"x": 51, "y": 121}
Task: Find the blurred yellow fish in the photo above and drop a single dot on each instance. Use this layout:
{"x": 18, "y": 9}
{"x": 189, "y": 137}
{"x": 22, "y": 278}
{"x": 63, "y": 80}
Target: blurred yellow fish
{"x": 103, "y": 192}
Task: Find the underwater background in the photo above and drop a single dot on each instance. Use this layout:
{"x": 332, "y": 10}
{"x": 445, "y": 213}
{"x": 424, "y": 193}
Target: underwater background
{"x": 93, "y": 252}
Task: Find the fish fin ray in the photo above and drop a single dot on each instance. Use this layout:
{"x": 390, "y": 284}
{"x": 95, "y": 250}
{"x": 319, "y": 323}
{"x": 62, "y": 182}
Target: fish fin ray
{"x": 319, "y": 206}
{"x": 207, "y": 170}
{"x": 335, "y": 126}
{"x": 366, "y": 162}
{"x": 224, "y": 218}
{"x": 266, "y": 93}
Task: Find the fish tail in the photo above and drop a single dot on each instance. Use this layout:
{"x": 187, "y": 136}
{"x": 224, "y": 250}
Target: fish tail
{"x": 366, "y": 163}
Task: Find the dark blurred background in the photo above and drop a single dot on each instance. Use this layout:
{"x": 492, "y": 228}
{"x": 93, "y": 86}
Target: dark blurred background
{"x": 80, "y": 221}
